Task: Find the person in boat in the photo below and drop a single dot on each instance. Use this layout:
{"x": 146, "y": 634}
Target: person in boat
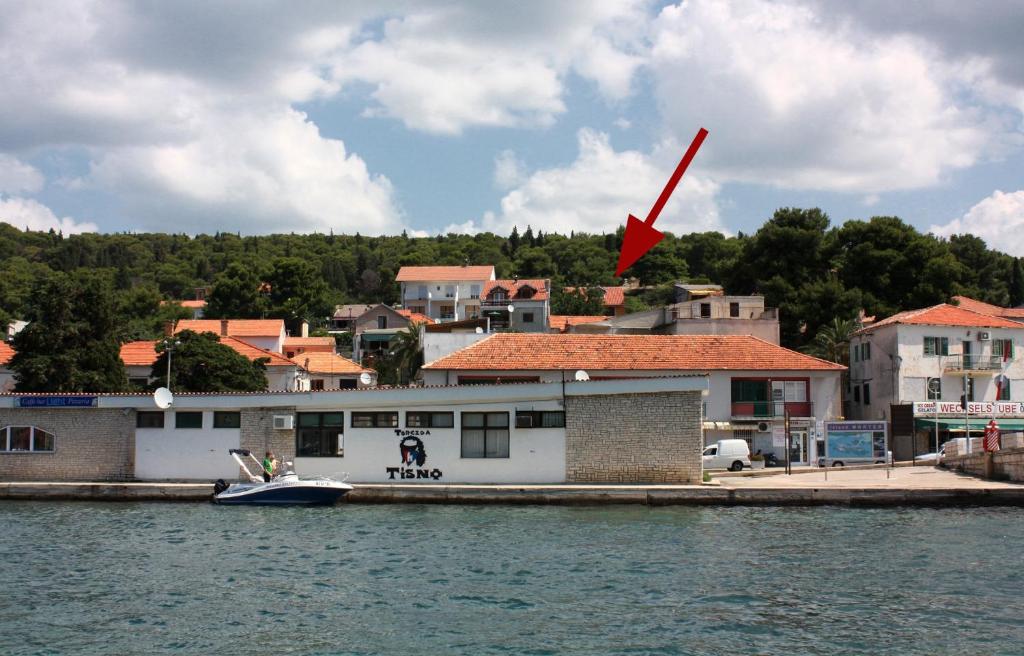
{"x": 269, "y": 466}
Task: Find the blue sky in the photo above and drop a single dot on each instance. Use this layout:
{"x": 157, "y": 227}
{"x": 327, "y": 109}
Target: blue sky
{"x": 439, "y": 116}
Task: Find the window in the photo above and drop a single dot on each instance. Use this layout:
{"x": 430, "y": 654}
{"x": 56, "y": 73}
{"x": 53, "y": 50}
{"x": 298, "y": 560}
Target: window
{"x": 865, "y": 351}
{"x": 856, "y": 393}
{"x": 430, "y": 420}
{"x": 1002, "y": 349}
{"x": 25, "y": 438}
{"x": 474, "y": 291}
{"x": 936, "y": 346}
{"x": 227, "y": 419}
{"x": 382, "y": 321}
{"x": 421, "y": 292}
{"x": 347, "y": 383}
{"x": 485, "y": 435}
{"x": 795, "y": 391}
{"x": 855, "y": 352}
{"x": 1002, "y": 388}
{"x": 734, "y": 309}
{"x": 540, "y": 419}
{"x": 188, "y": 420}
{"x": 316, "y": 384}
{"x": 320, "y": 435}
{"x": 705, "y": 310}
{"x": 149, "y": 420}
{"x": 934, "y": 389}
{"x": 527, "y": 317}
{"x": 449, "y": 291}
{"x": 867, "y": 394}
{"x": 374, "y": 420}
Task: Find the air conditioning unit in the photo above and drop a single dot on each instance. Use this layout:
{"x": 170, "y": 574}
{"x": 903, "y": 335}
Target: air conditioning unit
{"x": 763, "y": 427}
{"x": 984, "y": 336}
{"x": 284, "y": 422}
{"x": 524, "y": 421}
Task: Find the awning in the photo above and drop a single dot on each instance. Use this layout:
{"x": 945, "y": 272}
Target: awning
{"x": 949, "y": 424}
{"x": 377, "y": 337}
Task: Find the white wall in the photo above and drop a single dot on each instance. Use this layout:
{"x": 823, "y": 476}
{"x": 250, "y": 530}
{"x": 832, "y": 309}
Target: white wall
{"x": 438, "y": 345}
{"x": 186, "y": 454}
{"x": 273, "y": 344}
{"x": 536, "y": 455}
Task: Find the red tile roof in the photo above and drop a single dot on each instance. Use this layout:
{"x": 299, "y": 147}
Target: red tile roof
{"x": 236, "y": 327}
{"x": 415, "y": 317}
{"x": 943, "y": 315}
{"x": 139, "y": 354}
{"x": 6, "y": 353}
{"x": 444, "y": 273}
{"x": 309, "y": 341}
{"x": 987, "y": 308}
{"x": 254, "y": 352}
{"x": 512, "y": 287}
{"x": 613, "y": 296}
{"x": 561, "y": 322}
{"x": 318, "y": 362}
{"x": 531, "y": 351}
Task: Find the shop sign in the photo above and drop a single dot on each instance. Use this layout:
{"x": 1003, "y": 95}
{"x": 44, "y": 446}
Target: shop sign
{"x": 414, "y": 458}
{"x": 56, "y": 401}
{"x": 984, "y": 408}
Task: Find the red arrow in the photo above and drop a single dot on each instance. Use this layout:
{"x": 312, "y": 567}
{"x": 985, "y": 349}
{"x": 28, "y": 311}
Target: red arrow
{"x": 640, "y": 235}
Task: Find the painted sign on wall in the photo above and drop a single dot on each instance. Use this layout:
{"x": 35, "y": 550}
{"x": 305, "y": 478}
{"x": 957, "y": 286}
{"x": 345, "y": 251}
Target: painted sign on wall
{"x": 56, "y": 401}
{"x": 413, "y": 454}
{"x": 984, "y": 408}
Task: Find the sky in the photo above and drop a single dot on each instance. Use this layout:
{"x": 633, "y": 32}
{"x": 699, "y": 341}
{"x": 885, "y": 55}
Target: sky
{"x": 259, "y": 116}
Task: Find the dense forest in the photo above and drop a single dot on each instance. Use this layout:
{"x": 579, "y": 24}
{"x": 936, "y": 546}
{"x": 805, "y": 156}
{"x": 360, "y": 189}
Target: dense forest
{"x": 811, "y": 270}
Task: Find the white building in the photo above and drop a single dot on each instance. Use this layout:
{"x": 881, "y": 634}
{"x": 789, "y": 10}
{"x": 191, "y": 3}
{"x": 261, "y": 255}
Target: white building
{"x": 444, "y": 293}
{"x": 937, "y": 353}
{"x": 753, "y": 383}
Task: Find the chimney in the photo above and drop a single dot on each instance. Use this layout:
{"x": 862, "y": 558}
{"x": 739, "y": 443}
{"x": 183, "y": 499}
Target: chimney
{"x": 305, "y": 329}
{"x": 224, "y": 327}
{"x": 168, "y": 329}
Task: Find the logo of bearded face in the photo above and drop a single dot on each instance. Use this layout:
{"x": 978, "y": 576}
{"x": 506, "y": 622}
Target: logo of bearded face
{"x": 413, "y": 452}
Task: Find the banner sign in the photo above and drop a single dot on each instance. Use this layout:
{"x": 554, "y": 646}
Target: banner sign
{"x": 856, "y": 440}
{"x": 56, "y": 401}
{"x": 984, "y": 408}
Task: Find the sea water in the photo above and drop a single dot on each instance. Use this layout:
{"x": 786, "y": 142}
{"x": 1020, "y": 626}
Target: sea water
{"x": 120, "y": 578}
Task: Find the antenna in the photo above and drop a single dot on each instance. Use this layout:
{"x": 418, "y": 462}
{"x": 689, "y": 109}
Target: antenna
{"x": 163, "y": 398}
{"x": 582, "y": 375}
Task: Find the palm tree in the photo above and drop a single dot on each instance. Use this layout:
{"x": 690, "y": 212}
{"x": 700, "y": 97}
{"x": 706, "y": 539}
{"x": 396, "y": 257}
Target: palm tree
{"x": 832, "y": 342}
{"x": 406, "y": 354}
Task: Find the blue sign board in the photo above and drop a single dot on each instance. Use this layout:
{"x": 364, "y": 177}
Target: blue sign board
{"x": 56, "y": 401}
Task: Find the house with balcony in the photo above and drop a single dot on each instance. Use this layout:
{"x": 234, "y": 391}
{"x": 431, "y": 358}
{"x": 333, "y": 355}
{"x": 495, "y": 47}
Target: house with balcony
{"x": 520, "y": 305}
{"x": 754, "y": 384}
{"x": 943, "y": 367}
{"x": 444, "y": 293}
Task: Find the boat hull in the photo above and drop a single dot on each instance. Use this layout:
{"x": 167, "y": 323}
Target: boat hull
{"x": 301, "y": 493}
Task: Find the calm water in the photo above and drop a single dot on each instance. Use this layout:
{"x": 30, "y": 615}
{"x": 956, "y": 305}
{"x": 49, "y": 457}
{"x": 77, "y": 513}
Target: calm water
{"x": 84, "y": 578}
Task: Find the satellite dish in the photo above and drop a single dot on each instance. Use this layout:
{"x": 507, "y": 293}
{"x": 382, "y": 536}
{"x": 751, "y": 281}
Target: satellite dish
{"x": 582, "y": 375}
{"x": 163, "y": 398}
{"x": 365, "y": 378}
{"x": 511, "y": 308}
{"x": 479, "y": 330}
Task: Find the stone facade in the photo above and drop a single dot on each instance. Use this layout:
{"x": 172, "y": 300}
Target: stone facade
{"x": 1006, "y": 464}
{"x": 90, "y": 444}
{"x": 258, "y": 434}
{"x": 634, "y": 438}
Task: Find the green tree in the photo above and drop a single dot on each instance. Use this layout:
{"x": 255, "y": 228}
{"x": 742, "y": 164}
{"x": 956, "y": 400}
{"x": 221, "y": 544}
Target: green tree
{"x": 70, "y": 344}
{"x": 297, "y": 291}
{"x": 578, "y": 301}
{"x": 200, "y": 363}
{"x": 832, "y": 341}
{"x": 236, "y": 294}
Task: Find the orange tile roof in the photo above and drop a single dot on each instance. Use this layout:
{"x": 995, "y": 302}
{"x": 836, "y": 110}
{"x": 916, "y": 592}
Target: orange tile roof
{"x": 532, "y": 351}
{"x": 512, "y": 288}
{"x": 139, "y": 354}
{"x": 444, "y": 273}
{"x": 309, "y": 341}
{"x": 6, "y": 353}
{"x": 254, "y": 352}
{"x": 613, "y": 296}
{"x": 318, "y": 362}
{"x": 561, "y": 322}
{"x": 415, "y": 317}
{"x": 236, "y": 327}
{"x": 987, "y": 308}
{"x": 943, "y": 314}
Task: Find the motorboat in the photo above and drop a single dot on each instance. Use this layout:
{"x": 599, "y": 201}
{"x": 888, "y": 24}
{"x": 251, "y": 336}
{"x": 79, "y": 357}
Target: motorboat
{"x": 283, "y": 489}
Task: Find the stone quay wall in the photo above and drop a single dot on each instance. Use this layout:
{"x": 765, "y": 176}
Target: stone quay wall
{"x": 634, "y": 438}
{"x": 90, "y": 444}
{"x": 1005, "y": 465}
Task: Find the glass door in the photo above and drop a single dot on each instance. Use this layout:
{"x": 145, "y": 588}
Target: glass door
{"x": 798, "y": 447}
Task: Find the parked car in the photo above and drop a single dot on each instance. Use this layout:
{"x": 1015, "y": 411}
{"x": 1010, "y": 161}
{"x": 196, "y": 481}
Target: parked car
{"x": 733, "y": 455}
{"x": 932, "y": 457}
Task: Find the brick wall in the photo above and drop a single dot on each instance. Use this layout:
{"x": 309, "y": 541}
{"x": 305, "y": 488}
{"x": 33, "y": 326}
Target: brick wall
{"x": 1007, "y": 464}
{"x": 258, "y": 434}
{"x": 633, "y": 438}
{"x": 90, "y": 444}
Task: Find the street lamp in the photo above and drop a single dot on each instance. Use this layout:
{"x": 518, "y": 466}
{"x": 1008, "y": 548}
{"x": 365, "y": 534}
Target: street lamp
{"x": 169, "y": 345}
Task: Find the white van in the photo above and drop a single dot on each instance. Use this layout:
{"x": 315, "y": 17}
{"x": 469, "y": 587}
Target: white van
{"x": 733, "y": 455}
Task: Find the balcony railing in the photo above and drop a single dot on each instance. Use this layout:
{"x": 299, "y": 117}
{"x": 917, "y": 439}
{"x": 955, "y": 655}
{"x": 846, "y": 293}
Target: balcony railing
{"x": 763, "y": 409}
{"x": 972, "y": 363}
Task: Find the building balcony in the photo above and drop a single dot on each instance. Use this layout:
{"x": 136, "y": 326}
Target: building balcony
{"x": 972, "y": 364}
{"x": 772, "y": 409}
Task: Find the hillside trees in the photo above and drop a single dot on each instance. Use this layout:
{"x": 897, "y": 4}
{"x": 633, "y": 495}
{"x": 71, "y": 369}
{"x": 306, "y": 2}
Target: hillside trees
{"x": 200, "y": 363}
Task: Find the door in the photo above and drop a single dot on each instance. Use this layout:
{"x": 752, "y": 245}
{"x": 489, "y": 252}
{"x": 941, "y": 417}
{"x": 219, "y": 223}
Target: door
{"x": 967, "y": 355}
{"x": 798, "y": 447}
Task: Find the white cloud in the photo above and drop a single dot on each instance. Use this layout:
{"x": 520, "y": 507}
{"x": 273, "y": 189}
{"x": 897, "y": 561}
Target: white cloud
{"x": 17, "y": 177}
{"x": 998, "y": 219}
{"x": 598, "y": 190}
{"x": 623, "y": 123}
{"x": 794, "y": 101}
{"x": 27, "y": 213}
{"x": 509, "y": 170}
